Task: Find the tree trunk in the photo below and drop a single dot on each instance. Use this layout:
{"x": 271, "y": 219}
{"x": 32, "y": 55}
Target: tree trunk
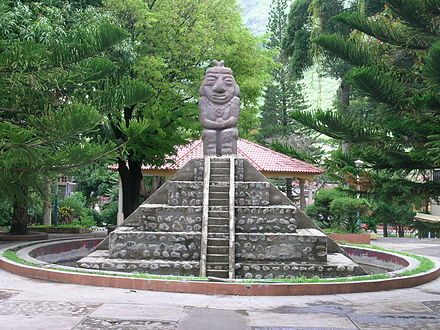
{"x": 401, "y": 230}
{"x": 385, "y": 230}
{"x": 131, "y": 177}
{"x": 20, "y": 219}
{"x": 344, "y": 93}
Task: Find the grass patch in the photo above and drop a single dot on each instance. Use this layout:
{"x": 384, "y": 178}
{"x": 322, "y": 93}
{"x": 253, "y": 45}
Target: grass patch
{"x": 12, "y": 255}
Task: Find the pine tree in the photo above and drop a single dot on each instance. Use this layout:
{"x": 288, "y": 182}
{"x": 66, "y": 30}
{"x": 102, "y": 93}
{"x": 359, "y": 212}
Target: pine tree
{"x": 283, "y": 96}
{"x": 396, "y": 67}
{"x": 55, "y": 86}
{"x": 311, "y": 18}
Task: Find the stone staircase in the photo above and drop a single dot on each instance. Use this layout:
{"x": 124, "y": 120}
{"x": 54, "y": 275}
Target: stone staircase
{"x": 218, "y": 234}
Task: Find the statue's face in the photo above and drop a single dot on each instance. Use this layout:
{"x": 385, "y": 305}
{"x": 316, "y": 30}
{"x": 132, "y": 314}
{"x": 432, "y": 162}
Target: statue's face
{"x": 219, "y": 88}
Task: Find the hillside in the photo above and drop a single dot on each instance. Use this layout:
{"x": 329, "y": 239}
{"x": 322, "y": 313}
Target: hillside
{"x": 319, "y": 91}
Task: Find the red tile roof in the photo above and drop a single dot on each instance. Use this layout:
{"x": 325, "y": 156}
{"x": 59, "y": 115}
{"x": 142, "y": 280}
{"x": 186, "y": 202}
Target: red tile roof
{"x": 264, "y": 159}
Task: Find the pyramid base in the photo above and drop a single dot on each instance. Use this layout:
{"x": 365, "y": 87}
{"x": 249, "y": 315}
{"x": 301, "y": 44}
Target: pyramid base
{"x": 337, "y": 265}
{"x": 100, "y": 260}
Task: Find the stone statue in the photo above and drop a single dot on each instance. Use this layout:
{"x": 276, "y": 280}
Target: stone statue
{"x": 219, "y": 107}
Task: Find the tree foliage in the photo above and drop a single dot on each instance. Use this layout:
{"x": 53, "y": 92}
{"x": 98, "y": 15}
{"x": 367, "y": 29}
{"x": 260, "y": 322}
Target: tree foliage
{"x": 171, "y": 45}
{"x": 394, "y": 59}
{"x": 283, "y": 95}
{"x": 53, "y": 80}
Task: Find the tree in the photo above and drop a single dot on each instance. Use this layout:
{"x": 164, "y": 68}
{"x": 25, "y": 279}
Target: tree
{"x": 54, "y": 81}
{"x": 349, "y": 210}
{"x": 396, "y": 59}
{"x": 283, "y": 95}
{"x": 94, "y": 180}
{"x": 310, "y": 18}
{"x": 319, "y": 211}
{"x": 171, "y": 44}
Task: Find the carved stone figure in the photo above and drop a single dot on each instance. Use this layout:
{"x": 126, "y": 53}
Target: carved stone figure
{"x": 219, "y": 107}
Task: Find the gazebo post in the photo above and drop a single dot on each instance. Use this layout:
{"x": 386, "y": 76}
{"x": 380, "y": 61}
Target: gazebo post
{"x": 302, "y": 199}
{"x": 310, "y": 192}
{"x": 120, "y": 217}
{"x": 289, "y": 188}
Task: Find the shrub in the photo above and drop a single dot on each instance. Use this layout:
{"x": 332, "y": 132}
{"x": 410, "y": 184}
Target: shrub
{"x": 5, "y": 213}
{"x": 400, "y": 216}
{"x": 349, "y": 210}
{"x": 109, "y": 214}
{"x": 320, "y": 210}
{"x": 65, "y": 215}
{"x": 85, "y": 221}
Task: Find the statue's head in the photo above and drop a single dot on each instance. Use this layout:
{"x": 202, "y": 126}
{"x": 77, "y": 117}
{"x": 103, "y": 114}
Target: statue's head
{"x": 219, "y": 85}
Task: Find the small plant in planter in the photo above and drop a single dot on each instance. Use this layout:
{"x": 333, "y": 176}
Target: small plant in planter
{"x": 65, "y": 214}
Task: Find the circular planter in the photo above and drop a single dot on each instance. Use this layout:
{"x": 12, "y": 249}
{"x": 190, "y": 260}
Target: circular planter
{"x": 204, "y": 287}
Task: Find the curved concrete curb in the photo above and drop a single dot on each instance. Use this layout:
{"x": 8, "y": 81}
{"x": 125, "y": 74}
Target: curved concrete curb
{"x": 199, "y": 287}
{"x": 32, "y": 236}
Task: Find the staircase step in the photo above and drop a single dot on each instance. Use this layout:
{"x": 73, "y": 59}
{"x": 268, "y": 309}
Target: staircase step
{"x": 223, "y": 273}
{"x": 218, "y": 229}
{"x": 219, "y": 188}
{"x": 219, "y": 195}
{"x": 215, "y": 175}
{"x": 221, "y": 242}
{"x": 216, "y": 163}
{"x": 213, "y": 249}
{"x": 218, "y": 214}
{"x": 219, "y": 178}
{"x": 218, "y": 202}
{"x": 218, "y": 221}
{"x": 217, "y": 265}
{"x": 220, "y": 170}
{"x": 217, "y": 258}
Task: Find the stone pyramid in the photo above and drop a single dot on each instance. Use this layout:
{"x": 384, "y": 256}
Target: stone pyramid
{"x": 220, "y": 217}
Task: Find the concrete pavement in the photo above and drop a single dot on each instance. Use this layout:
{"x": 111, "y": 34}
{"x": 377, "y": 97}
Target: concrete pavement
{"x": 34, "y": 304}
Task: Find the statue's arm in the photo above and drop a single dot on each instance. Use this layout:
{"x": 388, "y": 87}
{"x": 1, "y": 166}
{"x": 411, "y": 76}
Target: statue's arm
{"x": 203, "y": 117}
{"x": 232, "y": 121}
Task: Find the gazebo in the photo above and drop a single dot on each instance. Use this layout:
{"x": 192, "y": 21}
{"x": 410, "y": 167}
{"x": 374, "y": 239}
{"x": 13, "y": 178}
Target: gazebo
{"x": 270, "y": 163}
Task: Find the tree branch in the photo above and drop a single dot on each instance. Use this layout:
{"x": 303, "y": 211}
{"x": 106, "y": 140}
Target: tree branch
{"x": 67, "y": 167}
{"x": 12, "y": 110}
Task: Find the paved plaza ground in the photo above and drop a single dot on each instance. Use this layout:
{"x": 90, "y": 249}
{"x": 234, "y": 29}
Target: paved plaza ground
{"x": 35, "y": 304}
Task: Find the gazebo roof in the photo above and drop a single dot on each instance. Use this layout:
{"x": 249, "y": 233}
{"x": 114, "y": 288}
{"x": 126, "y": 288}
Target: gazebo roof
{"x": 271, "y": 163}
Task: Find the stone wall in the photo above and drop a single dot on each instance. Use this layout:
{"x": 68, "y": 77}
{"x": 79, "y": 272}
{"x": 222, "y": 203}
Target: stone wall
{"x": 293, "y": 270}
{"x": 252, "y": 193}
{"x": 184, "y": 193}
{"x": 160, "y": 245}
{"x": 168, "y": 218}
{"x": 306, "y": 245}
{"x": 265, "y": 219}
{"x": 199, "y": 167}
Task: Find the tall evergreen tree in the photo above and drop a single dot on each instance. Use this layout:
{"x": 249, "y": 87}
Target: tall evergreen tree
{"x": 284, "y": 95}
{"x": 55, "y": 85}
{"x": 311, "y": 18}
{"x": 396, "y": 66}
